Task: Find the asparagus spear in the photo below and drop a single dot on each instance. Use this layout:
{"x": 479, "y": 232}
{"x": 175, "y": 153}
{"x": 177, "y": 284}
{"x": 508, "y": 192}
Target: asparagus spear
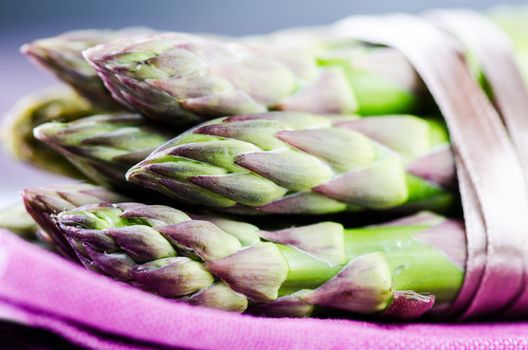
{"x": 295, "y": 271}
{"x": 14, "y": 218}
{"x": 43, "y": 204}
{"x": 181, "y": 78}
{"x": 103, "y": 147}
{"x": 33, "y": 110}
{"x": 62, "y": 56}
{"x": 289, "y": 162}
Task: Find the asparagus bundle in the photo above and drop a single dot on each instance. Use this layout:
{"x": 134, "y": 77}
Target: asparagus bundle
{"x": 290, "y": 162}
{"x": 235, "y": 266}
{"x": 266, "y": 154}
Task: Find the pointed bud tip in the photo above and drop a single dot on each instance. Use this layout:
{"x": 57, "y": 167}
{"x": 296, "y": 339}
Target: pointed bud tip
{"x": 173, "y": 277}
{"x": 257, "y": 271}
{"x": 219, "y": 296}
{"x": 38, "y": 49}
{"x": 47, "y": 132}
{"x": 408, "y": 305}
{"x": 27, "y": 49}
{"x": 363, "y": 286}
{"x": 28, "y": 195}
{"x": 134, "y": 173}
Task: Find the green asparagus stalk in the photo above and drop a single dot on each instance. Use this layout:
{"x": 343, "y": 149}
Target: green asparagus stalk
{"x": 14, "y": 218}
{"x": 62, "y": 55}
{"x": 103, "y": 147}
{"x": 43, "y": 204}
{"x": 31, "y": 111}
{"x": 297, "y": 163}
{"x": 295, "y": 271}
{"x": 181, "y": 78}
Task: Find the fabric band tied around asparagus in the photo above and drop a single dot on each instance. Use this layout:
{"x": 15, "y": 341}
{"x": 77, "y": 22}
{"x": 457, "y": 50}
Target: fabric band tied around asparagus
{"x": 490, "y": 176}
{"x": 494, "y": 52}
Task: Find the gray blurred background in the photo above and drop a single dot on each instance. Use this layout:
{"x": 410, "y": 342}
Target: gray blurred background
{"x": 25, "y": 20}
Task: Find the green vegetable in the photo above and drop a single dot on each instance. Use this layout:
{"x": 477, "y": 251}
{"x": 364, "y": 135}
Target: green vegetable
{"x": 62, "y": 55}
{"x": 61, "y": 105}
{"x": 290, "y": 162}
{"x": 295, "y": 271}
{"x": 103, "y": 147}
{"x": 182, "y": 78}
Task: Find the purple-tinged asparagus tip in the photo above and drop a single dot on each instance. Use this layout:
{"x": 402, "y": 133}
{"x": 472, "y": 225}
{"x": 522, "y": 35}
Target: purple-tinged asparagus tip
{"x": 363, "y": 286}
{"x": 257, "y": 271}
{"x": 408, "y": 305}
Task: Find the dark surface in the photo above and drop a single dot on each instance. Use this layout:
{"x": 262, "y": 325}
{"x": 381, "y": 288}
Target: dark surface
{"x": 18, "y": 337}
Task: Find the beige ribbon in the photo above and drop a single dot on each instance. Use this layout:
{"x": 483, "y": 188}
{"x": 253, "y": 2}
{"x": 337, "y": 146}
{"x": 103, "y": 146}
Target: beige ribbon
{"x": 494, "y": 52}
{"x": 491, "y": 180}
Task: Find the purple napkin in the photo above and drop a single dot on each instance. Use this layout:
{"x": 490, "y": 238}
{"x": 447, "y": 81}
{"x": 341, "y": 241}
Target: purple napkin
{"x": 42, "y": 290}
